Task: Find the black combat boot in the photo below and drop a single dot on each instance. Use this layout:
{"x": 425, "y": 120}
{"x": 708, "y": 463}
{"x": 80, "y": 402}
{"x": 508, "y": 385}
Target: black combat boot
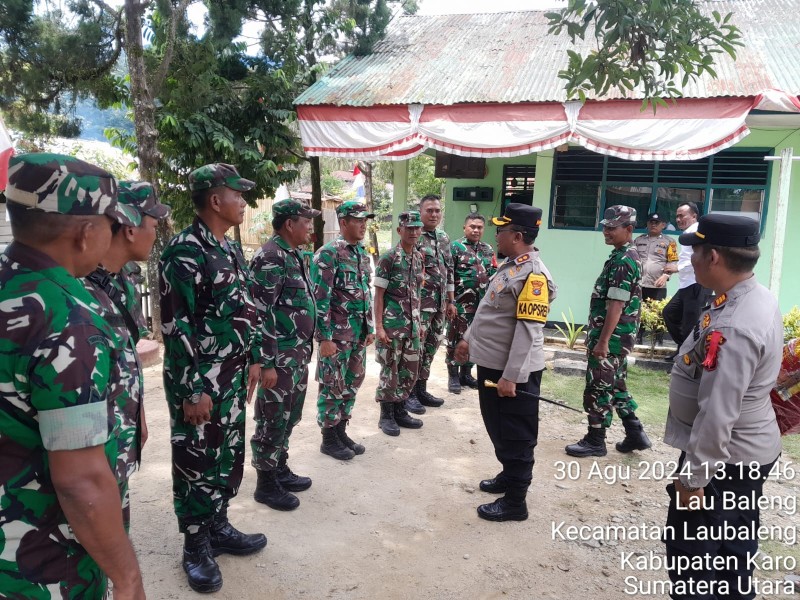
{"x": 453, "y": 381}
{"x": 466, "y": 377}
{"x": 497, "y": 485}
{"x": 635, "y": 437}
{"x": 413, "y": 405}
{"x": 333, "y": 446}
{"x": 226, "y": 539}
{"x": 198, "y": 562}
{"x": 269, "y": 491}
{"x": 592, "y": 444}
{"x": 511, "y": 507}
{"x": 403, "y": 419}
{"x": 386, "y": 421}
{"x": 341, "y": 431}
{"x": 289, "y": 480}
{"x": 424, "y": 396}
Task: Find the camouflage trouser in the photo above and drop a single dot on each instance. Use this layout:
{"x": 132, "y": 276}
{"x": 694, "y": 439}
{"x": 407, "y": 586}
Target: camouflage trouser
{"x": 433, "y": 328}
{"x": 339, "y": 378}
{"x": 455, "y": 333}
{"x": 606, "y": 389}
{"x": 278, "y": 410}
{"x": 208, "y": 460}
{"x": 399, "y": 363}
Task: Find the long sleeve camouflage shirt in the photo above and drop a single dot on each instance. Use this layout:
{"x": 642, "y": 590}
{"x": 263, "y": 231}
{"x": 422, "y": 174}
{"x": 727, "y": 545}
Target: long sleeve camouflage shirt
{"x": 208, "y": 316}
{"x": 438, "y": 262}
{"x": 473, "y": 266}
{"x": 285, "y": 300}
{"x": 401, "y": 275}
{"x": 341, "y": 273}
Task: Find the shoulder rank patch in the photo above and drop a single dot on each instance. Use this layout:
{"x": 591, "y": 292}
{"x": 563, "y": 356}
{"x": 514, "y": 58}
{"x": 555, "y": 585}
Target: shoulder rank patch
{"x": 720, "y": 300}
{"x": 522, "y": 258}
{"x": 686, "y": 359}
{"x": 533, "y": 303}
{"x": 706, "y": 320}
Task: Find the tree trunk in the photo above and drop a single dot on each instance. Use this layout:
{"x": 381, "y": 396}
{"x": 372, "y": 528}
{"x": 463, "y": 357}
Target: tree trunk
{"x": 366, "y": 169}
{"x": 146, "y": 137}
{"x": 316, "y": 201}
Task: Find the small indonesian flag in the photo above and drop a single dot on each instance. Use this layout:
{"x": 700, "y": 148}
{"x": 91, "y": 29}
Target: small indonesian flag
{"x": 358, "y": 182}
{"x": 6, "y": 152}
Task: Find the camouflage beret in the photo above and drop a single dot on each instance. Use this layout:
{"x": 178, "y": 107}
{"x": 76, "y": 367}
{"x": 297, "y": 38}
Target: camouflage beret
{"x": 218, "y": 174}
{"x": 617, "y": 215}
{"x": 66, "y": 185}
{"x": 141, "y": 196}
{"x": 292, "y": 208}
{"x": 354, "y": 208}
{"x": 410, "y": 218}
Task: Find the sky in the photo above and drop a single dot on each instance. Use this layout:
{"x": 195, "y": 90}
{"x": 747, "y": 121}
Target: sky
{"x": 443, "y": 7}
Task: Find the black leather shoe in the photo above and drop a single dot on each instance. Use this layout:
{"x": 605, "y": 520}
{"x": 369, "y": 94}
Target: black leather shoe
{"x": 292, "y": 482}
{"x": 592, "y": 444}
{"x": 226, "y": 539}
{"x": 403, "y": 419}
{"x": 496, "y": 485}
{"x": 341, "y": 431}
{"x": 413, "y": 405}
{"x": 425, "y": 397}
{"x": 466, "y": 378}
{"x": 201, "y": 569}
{"x": 501, "y": 510}
{"x": 269, "y": 491}
{"x": 453, "y": 379}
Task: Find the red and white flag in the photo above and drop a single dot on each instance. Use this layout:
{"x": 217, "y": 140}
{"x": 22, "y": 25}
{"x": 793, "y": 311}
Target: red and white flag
{"x": 6, "y": 152}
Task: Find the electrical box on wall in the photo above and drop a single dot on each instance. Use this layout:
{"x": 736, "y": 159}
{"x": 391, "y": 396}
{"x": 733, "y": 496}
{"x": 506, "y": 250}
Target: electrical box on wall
{"x": 473, "y": 194}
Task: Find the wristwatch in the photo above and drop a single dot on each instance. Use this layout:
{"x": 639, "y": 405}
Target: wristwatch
{"x": 687, "y": 488}
{"x": 195, "y": 398}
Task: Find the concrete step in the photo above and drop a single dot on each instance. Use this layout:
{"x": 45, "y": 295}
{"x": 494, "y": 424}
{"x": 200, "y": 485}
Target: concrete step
{"x": 566, "y": 366}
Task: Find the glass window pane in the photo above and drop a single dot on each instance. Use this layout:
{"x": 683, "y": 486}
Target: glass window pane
{"x": 669, "y": 199}
{"x": 738, "y": 201}
{"x": 635, "y": 196}
{"x": 575, "y": 205}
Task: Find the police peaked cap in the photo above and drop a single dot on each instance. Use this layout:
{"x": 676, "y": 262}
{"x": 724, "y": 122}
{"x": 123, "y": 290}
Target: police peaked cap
{"x": 521, "y": 215}
{"x": 732, "y": 231}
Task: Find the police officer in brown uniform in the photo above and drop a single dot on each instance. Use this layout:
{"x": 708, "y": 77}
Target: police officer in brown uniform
{"x": 656, "y": 251}
{"x": 506, "y": 341}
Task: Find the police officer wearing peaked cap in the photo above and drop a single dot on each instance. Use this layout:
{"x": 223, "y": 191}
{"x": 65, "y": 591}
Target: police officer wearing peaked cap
{"x": 506, "y": 341}
{"x": 720, "y": 414}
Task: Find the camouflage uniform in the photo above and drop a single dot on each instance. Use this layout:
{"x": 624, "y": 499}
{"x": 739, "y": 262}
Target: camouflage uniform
{"x": 341, "y": 274}
{"x": 606, "y": 387}
{"x": 211, "y": 336}
{"x": 473, "y": 266}
{"x": 284, "y": 297}
{"x": 401, "y": 275}
{"x": 438, "y": 264}
{"x": 57, "y": 356}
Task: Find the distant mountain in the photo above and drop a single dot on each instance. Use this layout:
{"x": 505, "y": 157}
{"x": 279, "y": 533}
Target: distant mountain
{"x": 94, "y": 120}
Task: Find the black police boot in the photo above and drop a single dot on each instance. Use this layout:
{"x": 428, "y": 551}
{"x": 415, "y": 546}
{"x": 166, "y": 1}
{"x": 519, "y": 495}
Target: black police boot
{"x": 413, "y": 405}
{"x": 341, "y": 431}
{"x": 386, "y": 421}
{"x": 466, "y": 377}
{"x": 333, "y": 446}
{"x": 497, "y": 485}
{"x": 635, "y": 437}
{"x": 226, "y": 539}
{"x": 592, "y": 444}
{"x": 453, "y": 381}
{"x": 424, "y": 396}
{"x": 511, "y": 507}
{"x": 269, "y": 491}
{"x": 289, "y": 480}
{"x": 201, "y": 569}
{"x": 403, "y": 419}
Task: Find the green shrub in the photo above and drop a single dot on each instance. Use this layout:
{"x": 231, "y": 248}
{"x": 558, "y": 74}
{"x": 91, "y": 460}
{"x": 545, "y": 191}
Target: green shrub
{"x": 791, "y": 324}
{"x": 652, "y": 321}
{"x": 571, "y": 330}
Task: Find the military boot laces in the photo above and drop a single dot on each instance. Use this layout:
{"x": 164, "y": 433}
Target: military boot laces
{"x": 291, "y": 481}
{"x": 269, "y": 491}
{"x": 226, "y": 539}
{"x": 453, "y": 380}
{"x": 341, "y": 431}
{"x": 201, "y": 569}
{"x": 333, "y": 446}
{"x": 635, "y": 437}
{"x": 403, "y": 419}
{"x": 424, "y": 396}
{"x": 413, "y": 405}
{"x": 592, "y": 444}
{"x": 386, "y": 421}
{"x": 466, "y": 377}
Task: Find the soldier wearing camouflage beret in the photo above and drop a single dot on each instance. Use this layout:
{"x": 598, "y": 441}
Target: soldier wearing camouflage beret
{"x": 341, "y": 272}
{"x": 398, "y": 280}
{"x": 212, "y": 364}
{"x": 60, "y": 512}
{"x": 614, "y": 311}
{"x": 285, "y": 299}
{"x": 116, "y": 294}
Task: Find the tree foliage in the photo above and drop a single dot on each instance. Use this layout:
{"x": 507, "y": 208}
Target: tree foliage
{"x": 655, "y": 46}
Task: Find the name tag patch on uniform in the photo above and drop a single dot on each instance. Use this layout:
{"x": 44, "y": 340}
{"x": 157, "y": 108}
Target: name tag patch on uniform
{"x": 533, "y": 303}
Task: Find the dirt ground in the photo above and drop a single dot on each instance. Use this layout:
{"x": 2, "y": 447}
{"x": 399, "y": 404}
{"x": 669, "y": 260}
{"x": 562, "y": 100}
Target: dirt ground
{"x": 399, "y": 521}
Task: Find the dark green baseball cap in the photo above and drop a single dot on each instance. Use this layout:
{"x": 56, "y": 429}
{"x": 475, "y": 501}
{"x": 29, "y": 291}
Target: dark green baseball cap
{"x": 216, "y": 175}
{"x": 354, "y": 208}
{"x": 409, "y": 218}
{"x": 141, "y": 196}
{"x": 292, "y": 208}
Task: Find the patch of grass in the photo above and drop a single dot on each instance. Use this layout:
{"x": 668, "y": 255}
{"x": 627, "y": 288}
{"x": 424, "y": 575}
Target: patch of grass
{"x": 650, "y": 389}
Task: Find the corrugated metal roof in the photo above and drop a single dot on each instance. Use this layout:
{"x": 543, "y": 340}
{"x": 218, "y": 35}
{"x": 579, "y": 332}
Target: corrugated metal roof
{"x": 510, "y": 57}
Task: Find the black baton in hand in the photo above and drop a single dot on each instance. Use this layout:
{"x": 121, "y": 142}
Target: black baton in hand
{"x": 529, "y": 396}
